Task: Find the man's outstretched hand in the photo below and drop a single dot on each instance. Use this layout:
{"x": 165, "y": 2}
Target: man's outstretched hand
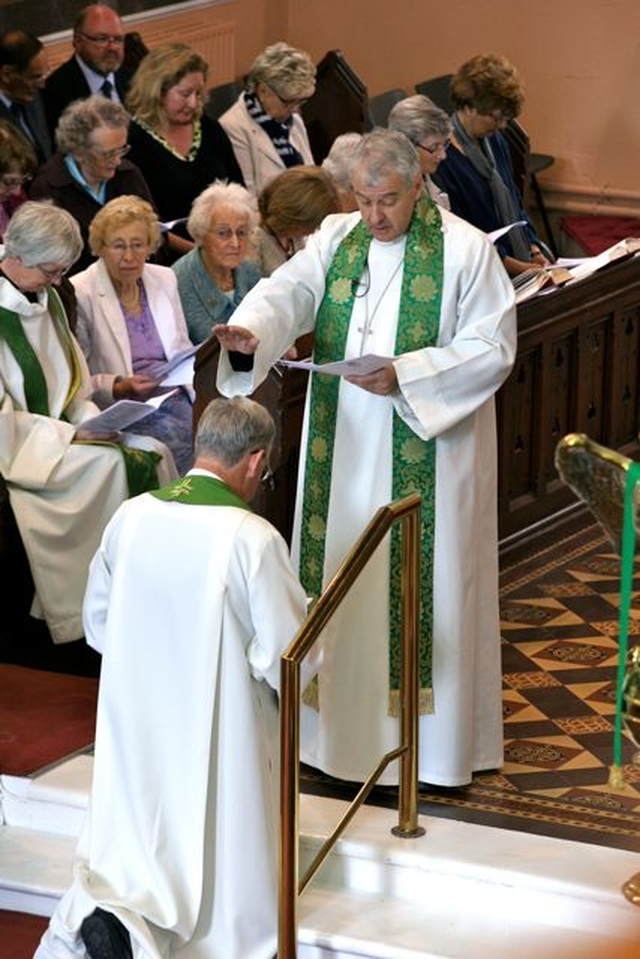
{"x": 236, "y": 339}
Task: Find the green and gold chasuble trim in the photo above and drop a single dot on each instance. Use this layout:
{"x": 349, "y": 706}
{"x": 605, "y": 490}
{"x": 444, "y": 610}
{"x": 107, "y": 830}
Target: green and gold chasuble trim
{"x": 198, "y": 490}
{"x": 34, "y": 382}
{"x": 413, "y": 458}
{"x": 140, "y": 465}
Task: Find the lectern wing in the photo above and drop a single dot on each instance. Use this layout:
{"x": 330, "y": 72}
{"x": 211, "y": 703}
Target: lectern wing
{"x": 597, "y": 475}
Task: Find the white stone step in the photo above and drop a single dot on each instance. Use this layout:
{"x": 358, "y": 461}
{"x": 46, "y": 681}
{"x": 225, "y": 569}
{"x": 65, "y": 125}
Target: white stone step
{"x": 54, "y": 801}
{"x": 462, "y": 891}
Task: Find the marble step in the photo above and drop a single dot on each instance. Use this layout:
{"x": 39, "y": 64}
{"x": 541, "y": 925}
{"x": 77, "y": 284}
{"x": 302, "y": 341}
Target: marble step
{"x": 462, "y": 891}
{"x": 54, "y": 801}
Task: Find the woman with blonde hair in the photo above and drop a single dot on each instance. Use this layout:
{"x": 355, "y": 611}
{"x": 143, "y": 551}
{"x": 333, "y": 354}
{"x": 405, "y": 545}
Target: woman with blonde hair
{"x": 291, "y": 208}
{"x": 131, "y": 321}
{"x": 264, "y": 125}
{"x": 179, "y": 149}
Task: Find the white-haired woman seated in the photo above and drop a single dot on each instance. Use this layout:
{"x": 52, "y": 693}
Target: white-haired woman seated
{"x": 215, "y": 276}
{"x": 130, "y": 321}
{"x": 337, "y": 164}
{"x": 64, "y": 481}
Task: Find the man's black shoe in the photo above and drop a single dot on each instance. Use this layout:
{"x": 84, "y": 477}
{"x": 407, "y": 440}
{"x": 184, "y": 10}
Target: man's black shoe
{"x": 105, "y": 937}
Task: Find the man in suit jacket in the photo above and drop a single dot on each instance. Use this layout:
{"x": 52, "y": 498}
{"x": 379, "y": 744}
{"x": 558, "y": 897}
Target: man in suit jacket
{"x": 23, "y": 70}
{"x": 95, "y": 67}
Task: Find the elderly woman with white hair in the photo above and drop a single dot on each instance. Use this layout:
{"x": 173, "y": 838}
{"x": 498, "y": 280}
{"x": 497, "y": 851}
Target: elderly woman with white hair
{"x": 215, "y": 276}
{"x": 131, "y": 321}
{"x": 65, "y": 481}
{"x": 338, "y": 163}
{"x": 90, "y": 167}
{"x": 429, "y": 129}
{"x": 266, "y": 130}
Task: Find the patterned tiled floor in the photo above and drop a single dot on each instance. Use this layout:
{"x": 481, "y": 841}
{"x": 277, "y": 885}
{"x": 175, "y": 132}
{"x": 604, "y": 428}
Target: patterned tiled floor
{"x": 559, "y": 610}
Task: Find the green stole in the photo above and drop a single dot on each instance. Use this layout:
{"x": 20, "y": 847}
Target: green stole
{"x": 140, "y": 465}
{"x": 413, "y": 458}
{"x": 198, "y": 490}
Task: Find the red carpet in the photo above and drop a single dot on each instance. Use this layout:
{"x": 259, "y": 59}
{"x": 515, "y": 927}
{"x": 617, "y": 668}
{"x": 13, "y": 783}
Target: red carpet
{"x": 20, "y": 934}
{"x": 43, "y": 717}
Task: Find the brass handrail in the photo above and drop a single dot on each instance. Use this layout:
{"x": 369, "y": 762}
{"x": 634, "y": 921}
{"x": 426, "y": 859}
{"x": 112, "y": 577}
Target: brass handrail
{"x": 406, "y": 510}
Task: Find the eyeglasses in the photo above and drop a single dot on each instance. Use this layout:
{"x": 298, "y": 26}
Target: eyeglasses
{"x": 290, "y": 103}
{"x": 119, "y": 247}
{"x": 52, "y": 275}
{"x": 499, "y": 116}
{"x": 435, "y": 147}
{"x": 13, "y": 182}
{"x": 104, "y": 39}
{"x": 225, "y": 233}
{"x": 116, "y": 154}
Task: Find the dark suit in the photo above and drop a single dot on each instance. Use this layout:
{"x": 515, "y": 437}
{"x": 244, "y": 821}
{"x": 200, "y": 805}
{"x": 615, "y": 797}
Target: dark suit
{"x": 36, "y": 120}
{"x": 68, "y": 83}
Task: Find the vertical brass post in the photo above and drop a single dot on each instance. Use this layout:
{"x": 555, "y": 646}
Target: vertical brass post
{"x": 410, "y": 679}
{"x": 289, "y": 808}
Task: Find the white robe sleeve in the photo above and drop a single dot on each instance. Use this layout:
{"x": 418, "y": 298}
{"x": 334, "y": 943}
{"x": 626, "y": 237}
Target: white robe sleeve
{"x": 98, "y": 591}
{"x": 440, "y": 386}
{"x": 277, "y": 601}
{"x": 283, "y": 307}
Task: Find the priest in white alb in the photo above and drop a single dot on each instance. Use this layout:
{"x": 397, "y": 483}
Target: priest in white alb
{"x": 414, "y": 284}
{"x": 191, "y": 601}
{"x": 65, "y": 481}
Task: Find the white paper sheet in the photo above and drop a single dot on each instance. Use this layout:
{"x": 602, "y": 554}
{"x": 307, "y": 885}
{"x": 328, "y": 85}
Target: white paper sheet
{"x": 123, "y": 413}
{"x": 358, "y": 366}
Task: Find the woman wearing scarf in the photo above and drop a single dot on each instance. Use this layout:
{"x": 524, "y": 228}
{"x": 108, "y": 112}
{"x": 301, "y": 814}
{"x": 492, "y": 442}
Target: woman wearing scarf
{"x": 477, "y": 173}
{"x": 266, "y": 130}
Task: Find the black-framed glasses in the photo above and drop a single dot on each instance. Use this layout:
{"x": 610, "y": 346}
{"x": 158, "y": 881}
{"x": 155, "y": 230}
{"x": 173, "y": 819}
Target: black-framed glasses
{"x": 434, "y": 148}
{"x": 290, "y": 102}
{"x": 104, "y": 39}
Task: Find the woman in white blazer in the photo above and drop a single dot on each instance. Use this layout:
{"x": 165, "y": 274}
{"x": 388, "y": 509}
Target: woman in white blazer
{"x": 131, "y": 321}
{"x": 264, "y": 126}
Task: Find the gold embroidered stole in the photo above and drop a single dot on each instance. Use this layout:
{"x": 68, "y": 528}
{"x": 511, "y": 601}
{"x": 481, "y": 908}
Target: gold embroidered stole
{"x": 413, "y": 458}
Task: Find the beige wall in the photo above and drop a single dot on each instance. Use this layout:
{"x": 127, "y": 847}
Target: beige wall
{"x": 580, "y": 60}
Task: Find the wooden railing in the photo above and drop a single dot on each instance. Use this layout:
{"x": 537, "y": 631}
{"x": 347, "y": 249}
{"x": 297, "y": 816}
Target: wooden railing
{"x": 407, "y": 511}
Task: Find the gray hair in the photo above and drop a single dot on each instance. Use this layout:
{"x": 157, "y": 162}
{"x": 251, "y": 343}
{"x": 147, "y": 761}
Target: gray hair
{"x": 382, "y": 152}
{"x": 218, "y": 194}
{"x": 40, "y": 232}
{"x": 230, "y": 428}
{"x": 418, "y": 118}
{"x": 340, "y": 158}
{"x": 82, "y": 117}
{"x": 288, "y": 72}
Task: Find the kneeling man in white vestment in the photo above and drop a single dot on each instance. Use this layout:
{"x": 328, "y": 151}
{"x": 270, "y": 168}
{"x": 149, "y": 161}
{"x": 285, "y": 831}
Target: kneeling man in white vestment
{"x": 423, "y": 293}
{"x": 191, "y": 601}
